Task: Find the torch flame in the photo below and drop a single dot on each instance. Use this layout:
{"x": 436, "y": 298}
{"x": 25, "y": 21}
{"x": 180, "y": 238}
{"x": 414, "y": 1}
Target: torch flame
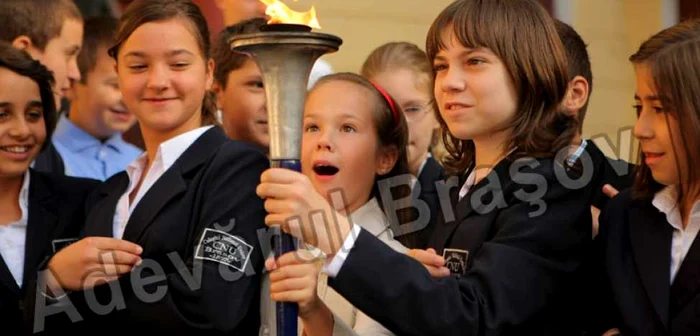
{"x": 280, "y": 13}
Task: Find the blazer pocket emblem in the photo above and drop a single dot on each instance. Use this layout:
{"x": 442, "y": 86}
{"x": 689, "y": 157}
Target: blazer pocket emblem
{"x": 224, "y": 248}
{"x": 456, "y": 261}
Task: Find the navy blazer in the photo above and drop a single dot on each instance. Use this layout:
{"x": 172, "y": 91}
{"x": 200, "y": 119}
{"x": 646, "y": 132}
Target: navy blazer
{"x": 56, "y": 215}
{"x": 631, "y": 288}
{"x": 513, "y": 259}
{"x": 199, "y": 226}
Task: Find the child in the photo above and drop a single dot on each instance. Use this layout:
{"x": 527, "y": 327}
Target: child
{"x": 51, "y": 31}
{"x": 354, "y": 135}
{"x": 89, "y": 139}
{"x": 606, "y": 171}
{"x": 238, "y": 85}
{"x": 648, "y": 250}
{"x": 40, "y": 212}
{"x": 517, "y": 235}
{"x": 407, "y": 75}
{"x": 189, "y": 202}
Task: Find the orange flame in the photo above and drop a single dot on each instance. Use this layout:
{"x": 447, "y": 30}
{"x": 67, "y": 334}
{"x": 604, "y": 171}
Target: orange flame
{"x": 280, "y": 13}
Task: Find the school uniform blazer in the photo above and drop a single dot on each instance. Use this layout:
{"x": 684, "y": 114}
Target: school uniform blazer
{"x": 633, "y": 292}
{"x": 519, "y": 261}
{"x": 432, "y": 172}
{"x": 617, "y": 173}
{"x": 201, "y": 217}
{"x": 56, "y": 215}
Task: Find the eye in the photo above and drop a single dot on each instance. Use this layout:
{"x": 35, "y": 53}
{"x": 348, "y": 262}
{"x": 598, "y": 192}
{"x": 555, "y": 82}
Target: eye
{"x": 4, "y": 114}
{"x": 475, "y": 61}
{"x": 437, "y": 67}
{"x": 637, "y": 108}
{"x": 412, "y": 109}
{"x": 348, "y": 128}
{"x": 310, "y": 128}
{"x": 255, "y": 84}
{"x": 180, "y": 65}
{"x": 137, "y": 67}
{"x": 35, "y": 114}
{"x": 659, "y": 109}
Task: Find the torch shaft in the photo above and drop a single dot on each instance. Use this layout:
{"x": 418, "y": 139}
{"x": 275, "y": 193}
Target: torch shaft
{"x": 284, "y": 243}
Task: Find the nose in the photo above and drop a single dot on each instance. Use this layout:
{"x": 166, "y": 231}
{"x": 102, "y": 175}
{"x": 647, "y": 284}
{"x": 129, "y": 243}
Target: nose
{"x": 452, "y": 80}
{"x": 325, "y": 141}
{"x": 73, "y": 70}
{"x": 643, "y": 127}
{"x": 157, "y": 78}
{"x": 19, "y": 129}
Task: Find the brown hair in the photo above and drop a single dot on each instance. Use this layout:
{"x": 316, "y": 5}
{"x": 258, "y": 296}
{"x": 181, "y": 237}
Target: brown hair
{"x": 402, "y": 55}
{"x": 99, "y": 33}
{"x": 672, "y": 57}
{"x": 391, "y": 131}
{"x": 577, "y": 59}
{"x": 22, "y": 64}
{"x": 521, "y": 33}
{"x": 144, "y": 11}
{"x": 226, "y": 59}
{"x": 40, "y": 20}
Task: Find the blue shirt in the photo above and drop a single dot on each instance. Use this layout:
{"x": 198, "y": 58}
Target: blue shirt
{"x": 87, "y": 156}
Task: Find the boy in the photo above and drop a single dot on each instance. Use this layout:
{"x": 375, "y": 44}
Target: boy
{"x": 606, "y": 171}
{"x": 89, "y": 139}
{"x": 50, "y": 31}
{"x": 240, "y": 95}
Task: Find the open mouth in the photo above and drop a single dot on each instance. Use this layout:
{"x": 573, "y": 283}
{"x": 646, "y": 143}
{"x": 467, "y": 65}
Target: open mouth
{"x": 325, "y": 169}
{"x": 16, "y": 149}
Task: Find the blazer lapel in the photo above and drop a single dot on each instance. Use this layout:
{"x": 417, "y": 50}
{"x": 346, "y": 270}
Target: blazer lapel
{"x": 480, "y": 197}
{"x": 687, "y": 282}
{"x": 101, "y": 217}
{"x": 41, "y": 224}
{"x": 7, "y": 279}
{"x": 650, "y": 236}
{"x": 172, "y": 183}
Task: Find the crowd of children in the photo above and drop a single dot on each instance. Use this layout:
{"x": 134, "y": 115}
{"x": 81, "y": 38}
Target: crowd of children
{"x": 492, "y": 238}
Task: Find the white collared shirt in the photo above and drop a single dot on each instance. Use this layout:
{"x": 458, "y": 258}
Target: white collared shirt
{"x": 14, "y": 235}
{"x": 168, "y": 152}
{"x": 666, "y": 201}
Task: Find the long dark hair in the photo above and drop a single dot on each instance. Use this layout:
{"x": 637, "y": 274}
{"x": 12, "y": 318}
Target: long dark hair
{"x": 673, "y": 56}
{"x": 144, "y": 11}
{"x": 522, "y": 34}
{"x": 22, "y": 64}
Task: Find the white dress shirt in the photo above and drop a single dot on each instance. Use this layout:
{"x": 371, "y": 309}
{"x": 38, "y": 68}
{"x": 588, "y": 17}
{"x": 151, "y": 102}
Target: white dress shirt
{"x": 666, "y": 201}
{"x": 168, "y": 152}
{"x": 14, "y": 235}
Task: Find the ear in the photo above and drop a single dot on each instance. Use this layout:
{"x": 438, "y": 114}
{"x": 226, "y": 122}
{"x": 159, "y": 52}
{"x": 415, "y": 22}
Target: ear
{"x": 210, "y": 73}
{"x": 23, "y": 42}
{"x": 387, "y": 159}
{"x": 576, "y": 95}
{"x": 219, "y": 92}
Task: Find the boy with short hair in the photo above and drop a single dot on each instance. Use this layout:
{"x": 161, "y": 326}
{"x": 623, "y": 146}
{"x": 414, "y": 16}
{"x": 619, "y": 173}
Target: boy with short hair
{"x": 238, "y": 85}
{"x": 89, "y": 139}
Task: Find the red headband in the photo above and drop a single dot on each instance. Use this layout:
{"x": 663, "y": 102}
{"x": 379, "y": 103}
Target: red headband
{"x": 389, "y": 101}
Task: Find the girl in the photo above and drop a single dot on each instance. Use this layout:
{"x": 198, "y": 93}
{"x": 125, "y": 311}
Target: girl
{"x": 405, "y": 72}
{"x": 188, "y": 202}
{"x": 648, "y": 247}
{"x": 354, "y": 135}
{"x": 517, "y": 235}
{"x": 40, "y": 213}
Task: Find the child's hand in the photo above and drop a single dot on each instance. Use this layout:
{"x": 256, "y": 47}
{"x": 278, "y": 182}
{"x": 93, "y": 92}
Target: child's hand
{"x": 433, "y": 262}
{"x": 294, "y": 278}
{"x": 292, "y": 202}
{"x": 91, "y": 261}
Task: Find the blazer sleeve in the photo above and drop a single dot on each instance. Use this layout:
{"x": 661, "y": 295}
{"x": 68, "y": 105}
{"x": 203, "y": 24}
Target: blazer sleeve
{"x": 226, "y": 296}
{"x": 513, "y": 277}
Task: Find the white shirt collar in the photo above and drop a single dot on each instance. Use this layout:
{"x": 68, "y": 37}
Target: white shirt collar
{"x": 24, "y": 199}
{"x": 666, "y": 201}
{"x": 367, "y": 217}
{"x": 422, "y": 165}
